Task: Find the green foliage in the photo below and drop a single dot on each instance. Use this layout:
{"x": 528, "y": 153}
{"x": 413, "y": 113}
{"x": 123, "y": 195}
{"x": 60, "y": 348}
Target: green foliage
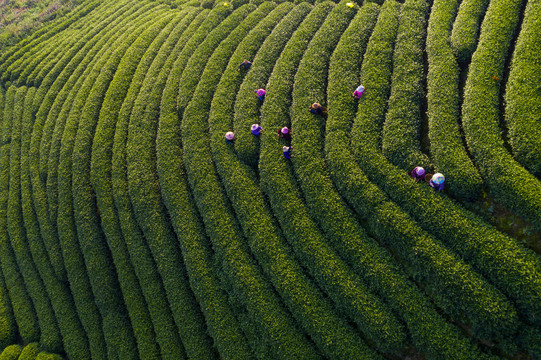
{"x": 401, "y": 138}
{"x": 458, "y": 295}
{"x": 98, "y": 259}
{"x": 130, "y": 229}
{"x": 122, "y": 248}
{"x": 12, "y": 352}
{"x": 268, "y": 247}
{"x": 523, "y": 102}
{"x": 63, "y": 93}
{"x": 496, "y": 256}
{"x": 23, "y": 308}
{"x": 466, "y": 28}
{"x": 438, "y": 338}
{"x": 8, "y": 326}
{"x": 47, "y": 356}
{"x": 223, "y": 327}
{"x": 45, "y": 58}
{"x": 201, "y": 51}
{"x": 506, "y": 179}
{"x": 73, "y": 335}
{"x": 275, "y": 325}
{"x": 247, "y": 105}
{"x": 51, "y": 85}
{"x": 274, "y": 109}
{"x": 149, "y": 210}
{"x": 76, "y": 255}
{"x": 22, "y": 17}
{"x": 50, "y": 335}
{"x": 120, "y": 223}
{"x": 24, "y": 47}
{"x": 376, "y": 73}
{"x": 119, "y": 160}
{"x": 310, "y": 82}
{"x": 29, "y": 352}
{"x": 446, "y": 146}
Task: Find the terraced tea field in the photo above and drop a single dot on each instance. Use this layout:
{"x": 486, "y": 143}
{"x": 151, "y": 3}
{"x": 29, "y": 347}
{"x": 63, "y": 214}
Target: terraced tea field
{"x": 131, "y": 229}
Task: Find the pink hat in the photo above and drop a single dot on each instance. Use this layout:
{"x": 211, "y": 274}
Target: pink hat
{"x": 254, "y": 127}
{"x": 285, "y": 130}
{"x": 260, "y": 92}
{"x": 230, "y": 135}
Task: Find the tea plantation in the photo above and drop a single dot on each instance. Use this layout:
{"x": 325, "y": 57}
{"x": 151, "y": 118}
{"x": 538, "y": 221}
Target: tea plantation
{"x": 131, "y": 227}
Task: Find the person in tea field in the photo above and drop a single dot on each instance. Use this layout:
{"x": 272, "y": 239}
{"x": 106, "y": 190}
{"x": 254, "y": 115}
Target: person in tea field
{"x": 317, "y": 109}
{"x": 418, "y": 173}
{"x": 256, "y": 129}
{"x": 437, "y": 181}
{"x": 284, "y": 133}
{"x": 358, "y": 92}
{"x": 245, "y": 65}
{"x": 286, "y": 150}
{"x": 260, "y": 94}
{"x": 229, "y": 137}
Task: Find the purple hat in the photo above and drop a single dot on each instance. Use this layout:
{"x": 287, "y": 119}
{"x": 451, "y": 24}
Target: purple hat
{"x": 419, "y": 171}
{"x": 254, "y": 127}
{"x": 438, "y": 178}
{"x": 285, "y": 130}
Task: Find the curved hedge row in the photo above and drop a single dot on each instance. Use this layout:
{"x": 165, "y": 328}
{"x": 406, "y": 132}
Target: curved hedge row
{"x": 268, "y": 247}
{"x": 274, "y": 109}
{"x": 223, "y": 326}
{"x": 120, "y": 172}
{"x": 246, "y": 104}
{"x": 119, "y": 222}
{"x": 401, "y": 142}
{"x": 456, "y": 285}
{"x": 523, "y": 103}
{"x": 310, "y": 83}
{"x": 47, "y": 356}
{"x": 190, "y": 77}
{"x": 511, "y": 267}
{"x": 73, "y": 335}
{"x": 105, "y": 285}
{"x": 27, "y": 44}
{"x": 466, "y": 28}
{"x": 52, "y": 84}
{"x": 51, "y": 50}
{"x": 40, "y": 73}
{"x": 29, "y": 352}
{"x": 49, "y": 333}
{"x": 8, "y": 327}
{"x": 149, "y": 211}
{"x": 274, "y": 324}
{"x": 23, "y": 309}
{"x": 81, "y": 282}
{"x": 60, "y": 106}
{"x": 447, "y": 149}
{"x": 11, "y": 352}
{"x": 428, "y": 329}
{"x": 507, "y": 180}
{"x": 15, "y": 69}
{"x": 132, "y": 245}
